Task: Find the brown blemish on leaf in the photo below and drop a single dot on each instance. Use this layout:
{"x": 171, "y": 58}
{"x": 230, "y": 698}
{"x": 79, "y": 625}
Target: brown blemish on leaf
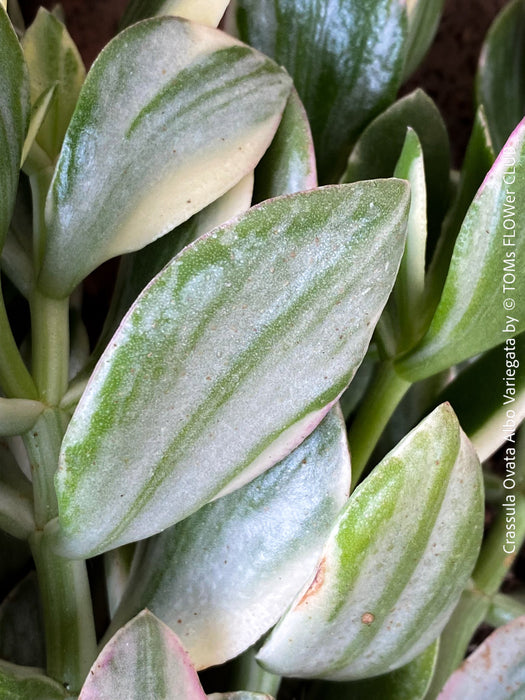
{"x": 367, "y": 618}
{"x": 315, "y": 585}
{"x": 486, "y": 656}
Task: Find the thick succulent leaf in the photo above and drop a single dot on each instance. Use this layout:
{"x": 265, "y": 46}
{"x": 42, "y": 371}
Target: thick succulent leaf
{"x": 200, "y": 370}
{"x": 481, "y": 400}
{"x": 144, "y": 660}
{"x": 239, "y": 695}
{"x": 26, "y": 683}
{"x": 18, "y": 415}
{"x": 410, "y": 682}
{"x": 500, "y": 83}
{"x": 208, "y": 12}
{"x": 495, "y": 670}
{"x": 117, "y": 569}
{"x": 482, "y": 289}
{"x": 53, "y": 59}
{"x": 21, "y": 629}
{"x": 395, "y": 564}
{"x": 289, "y": 164}
{"x": 171, "y": 116}
{"x": 221, "y": 593}
{"x": 14, "y": 118}
{"x": 138, "y": 269}
{"x": 423, "y": 20}
{"x": 330, "y": 50}
{"x": 31, "y": 158}
{"x": 378, "y": 149}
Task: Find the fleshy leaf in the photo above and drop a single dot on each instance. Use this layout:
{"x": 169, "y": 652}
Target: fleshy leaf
{"x": 423, "y": 20}
{"x": 221, "y": 592}
{"x": 239, "y": 695}
{"x": 495, "y": 670}
{"x": 378, "y": 149}
{"x": 395, "y": 564}
{"x": 171, "y": 116}
{"x": 145, "y": 659}
{"x": 410, "y": 682}
{"x": 208, "y": 12}
{"x": 200, "y": 370}
{"x": 14, "y": 118}
{"x": 330, "y": 50}
{"x": 21, "y": 628}
{"x": 27, "y": 683}
{"x": 482, "y": 289}
{"x": 53, "y": 59}
{"x": 138, "y": 269}
{"x": 289, "y": 164}
{"x": 481, "y": 400}
{"x": 500, "y": 83}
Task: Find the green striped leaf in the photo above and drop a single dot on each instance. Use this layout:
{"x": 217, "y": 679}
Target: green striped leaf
{"x": 143, "y": 660}
{"x": 53, "y": 60}
{"x": 26, "y": 683}
{"x": 395, "y": 564}
{"x": 289, "y": 164}
{"x": 500, "y": 83}
{"x": 138, "y": 269}
{"x": 483, "y": 291}
{"x": 423, "y": 20}
{"x": 377, "y": 151}
{"x": 200, "y": 370}
{"x": 221, "y": 594}
{"x": 208, "y": 12}
{"x": 495, "y": 670}
{"x": 410, "y": 682}
{"x": 330, "y": 50}
{"x": 14, "y": 118}
{"x": 170, "y": 117}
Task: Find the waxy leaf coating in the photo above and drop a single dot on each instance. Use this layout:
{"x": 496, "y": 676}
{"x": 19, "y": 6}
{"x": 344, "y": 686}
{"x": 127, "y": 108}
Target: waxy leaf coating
{"x": 14, "y": 118}
{"x": 228, "y": 360}
{"x": 171, "y": 116}
{"x": 28, "y": 683}
{"x": 395, "y": 564}
{"x": 484, "y": 290}
{"x": 331, "y": 49}
{"x": 224, "y": 576}
{"x": 144, "y": 660}
{"x": 495, "y": 670}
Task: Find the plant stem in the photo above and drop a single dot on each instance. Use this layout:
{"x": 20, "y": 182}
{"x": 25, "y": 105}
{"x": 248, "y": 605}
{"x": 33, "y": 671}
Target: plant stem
{"x": 64, "y": 586}
{"x": 386, "y": 391}
{"x": 14, "y": 376}
{"x": 50, "y": 333}
{"x": 248, "y": 675}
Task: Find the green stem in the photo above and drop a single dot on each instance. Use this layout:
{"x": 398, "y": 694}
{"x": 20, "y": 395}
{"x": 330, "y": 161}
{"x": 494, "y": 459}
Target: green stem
{"x": 15, "y": 379}
{"x": 385, "y": 393}
{"x": 50, "y": 333}
{"x": 68, "y": 615}
{"x": 64, "y": 587}
{"x": 248, "y": 675}
{"x": 504, "y": 609}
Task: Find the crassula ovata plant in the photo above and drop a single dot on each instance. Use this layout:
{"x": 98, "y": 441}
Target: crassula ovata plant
{"x": 270, "y": 459}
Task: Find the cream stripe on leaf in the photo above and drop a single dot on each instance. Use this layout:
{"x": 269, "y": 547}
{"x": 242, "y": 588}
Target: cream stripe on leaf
{"x": 193, "y": 396}
{"x": 170, "y": 117}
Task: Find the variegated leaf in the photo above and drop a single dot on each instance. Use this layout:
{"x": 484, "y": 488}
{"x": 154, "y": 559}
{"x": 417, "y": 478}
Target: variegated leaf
{"x": 14, "y": 118}
{"x": 208, "y": 12}
{"x": 239, "y": 695}
{"x": 144, "y": 660}
{"x": 170, "y": 117}
{"x": 496, "y": 670}
{"x": 331, "y": 50}
{"x": 224, "y": 576}
{"x": 202, "y": 368}
{"x": 423, "y": 20}
{"x": 395, "y": 564}
{"x": 53, "y": 60}
{"x": 483, "y": 287}
{"x": 289, "y": 164}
